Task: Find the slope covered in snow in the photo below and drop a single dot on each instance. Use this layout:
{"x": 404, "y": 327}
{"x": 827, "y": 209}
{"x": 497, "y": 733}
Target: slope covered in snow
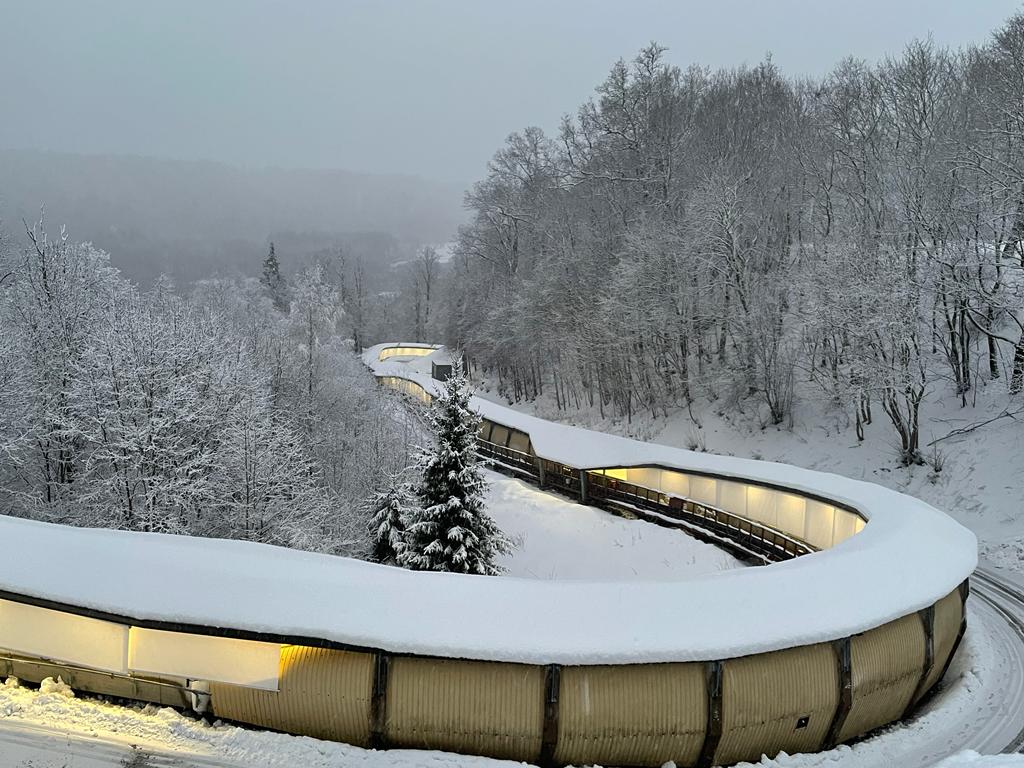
{"x": 980, "y": 482}
{"x": 558, "y": 539}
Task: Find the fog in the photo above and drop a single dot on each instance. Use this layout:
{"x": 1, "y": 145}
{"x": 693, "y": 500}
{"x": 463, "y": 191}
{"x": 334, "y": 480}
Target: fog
{"x": 422, "y": 88}
{"x": 182, "y": 137}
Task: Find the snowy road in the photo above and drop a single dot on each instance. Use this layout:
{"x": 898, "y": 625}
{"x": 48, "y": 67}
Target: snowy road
{"x": 1002, "y": 595}
{"x": 27, "y": 745}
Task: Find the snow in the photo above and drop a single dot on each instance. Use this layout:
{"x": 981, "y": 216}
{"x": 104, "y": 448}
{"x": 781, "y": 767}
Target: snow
{"x": 559, "y": 539}
{"x": 970, "y": 758}
{"x": 93, "y": 733}
{"x": 907, "y": 557}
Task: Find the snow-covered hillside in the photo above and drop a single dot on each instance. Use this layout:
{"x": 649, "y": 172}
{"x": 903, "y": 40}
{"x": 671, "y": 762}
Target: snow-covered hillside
{"x": 559, "y": 539}
{"x": 979, "y": 483}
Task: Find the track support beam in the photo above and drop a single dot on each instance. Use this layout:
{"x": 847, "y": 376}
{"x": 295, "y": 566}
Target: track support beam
{"x": 379, "y": 701}
{"x": 844, "y": 664}
{"x": 965, "y": 590}
{"x": 927, "y": 616}
{"x": 549, "y": 738}
{"x": 713, "y": 731}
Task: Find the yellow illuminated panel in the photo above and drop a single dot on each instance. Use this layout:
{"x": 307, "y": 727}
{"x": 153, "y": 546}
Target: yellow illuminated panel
{"x": 732, "y": 497}
{"x": 791, "y": 514}
{"x": 404, "y": 352}
{"x": 675, "y": 483}
{"x": 64, "y": 637}
{"x": 648, "y": 477}
{"x": 820, "y": 524}
{"x": 201, "y": 657}
{"x": 761, "y": 505}
{"x": 845, "y": 525}
{"x": 703, "y": 490}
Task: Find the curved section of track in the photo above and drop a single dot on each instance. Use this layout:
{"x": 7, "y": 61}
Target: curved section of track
{"x": 846, "y": 631}
{"x": 1004, "y": 730}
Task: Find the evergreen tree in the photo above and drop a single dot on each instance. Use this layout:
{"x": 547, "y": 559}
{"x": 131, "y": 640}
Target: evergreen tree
{"x": 389, "y": 508}
{"x": 273, "y": 282}
{"x": 451, "y": 531}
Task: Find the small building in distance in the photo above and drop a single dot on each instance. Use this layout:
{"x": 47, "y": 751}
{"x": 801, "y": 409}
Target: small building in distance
{"x": 441, "y": 365}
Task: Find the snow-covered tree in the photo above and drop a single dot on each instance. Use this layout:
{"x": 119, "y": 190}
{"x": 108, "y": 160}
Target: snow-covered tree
{"x": 389, "y": 509}
{"x": 450, "y": 530}
{"x": 273, "y": 281}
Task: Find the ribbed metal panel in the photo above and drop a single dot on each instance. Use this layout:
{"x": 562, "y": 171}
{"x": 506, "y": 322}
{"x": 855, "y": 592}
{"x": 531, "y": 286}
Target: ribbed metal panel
{"x": 645, "y": 714}
{"x": 484, "y": 708}
{"x": 948, "y": 614}
{"x": 887, "y": 664}
{"x": 323, "y": 693}
{"x": 777, "y": 701}
{"x": 101, "y": 683}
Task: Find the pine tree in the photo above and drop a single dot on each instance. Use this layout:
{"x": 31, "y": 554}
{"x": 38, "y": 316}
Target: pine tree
{"x": 273, "y": 282}
{"x": 451, "y": 531}
{"x": 389, "y": 508}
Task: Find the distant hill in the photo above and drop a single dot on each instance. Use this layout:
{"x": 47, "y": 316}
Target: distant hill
{"x": 190, "y": 219}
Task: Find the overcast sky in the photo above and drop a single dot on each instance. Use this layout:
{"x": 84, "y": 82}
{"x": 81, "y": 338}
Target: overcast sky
{"x": 427, "y": 88}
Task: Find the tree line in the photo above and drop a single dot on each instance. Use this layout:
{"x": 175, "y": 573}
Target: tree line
{"x": 235, "y": 408}
{"x": 727, "y": 233}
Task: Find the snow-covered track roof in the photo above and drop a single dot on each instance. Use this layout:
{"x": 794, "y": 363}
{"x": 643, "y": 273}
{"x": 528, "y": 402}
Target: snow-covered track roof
{"x": 908, "y": 556}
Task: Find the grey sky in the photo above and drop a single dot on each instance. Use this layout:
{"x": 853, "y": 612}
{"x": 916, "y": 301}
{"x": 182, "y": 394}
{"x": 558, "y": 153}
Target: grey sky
{"x": 428, "y": 88}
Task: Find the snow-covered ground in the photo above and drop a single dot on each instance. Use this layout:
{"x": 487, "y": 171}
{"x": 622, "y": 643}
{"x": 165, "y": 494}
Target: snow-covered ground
{"x": 559, "y": 539}
{"x": 51, "y": 728}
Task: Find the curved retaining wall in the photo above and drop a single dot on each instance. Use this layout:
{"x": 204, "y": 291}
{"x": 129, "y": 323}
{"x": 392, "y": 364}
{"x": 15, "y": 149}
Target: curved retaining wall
{"x": 628, "y": 704}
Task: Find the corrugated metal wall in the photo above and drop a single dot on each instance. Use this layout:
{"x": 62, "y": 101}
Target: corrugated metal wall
{"x": 631, "y": 715}
{"x": 777, "y": 701}
{"x": 323, "y": 693}
{"x": 644, "y": 714}
{"x": 477, "y": 707}
{"x": 887, "y": 663}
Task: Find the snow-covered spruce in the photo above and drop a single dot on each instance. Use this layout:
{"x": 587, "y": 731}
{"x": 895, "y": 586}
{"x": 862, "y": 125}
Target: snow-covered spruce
{"x": 389, "y": 509}
{"x": 451, "y": 531}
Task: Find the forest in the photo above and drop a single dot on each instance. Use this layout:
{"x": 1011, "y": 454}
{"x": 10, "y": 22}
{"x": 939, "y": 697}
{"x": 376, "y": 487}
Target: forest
{"x": 729, "y": 234}
{"x": 231, "y": 408}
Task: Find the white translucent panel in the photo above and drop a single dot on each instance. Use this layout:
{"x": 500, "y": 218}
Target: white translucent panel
{"x": 200, "y": 657}
{"x": 62, "y": 636}
{"x": 703, "y": 490}
{"x": 675, "y": 483}
{"x": 519, "y": 441}
{"x": 819, "y": 524}
{"x": 858, "y": 524}
{"x": 761, "y": 505}
{"x": 618, "y": 474}
{"x": 732, "y": 497}
{"x": 499, "y": 434}
{"x": 845, "y": 526}
{"x": 404, "y": 352}
{"x": 791, "y": 511}
{"x": 648, "y": 477}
